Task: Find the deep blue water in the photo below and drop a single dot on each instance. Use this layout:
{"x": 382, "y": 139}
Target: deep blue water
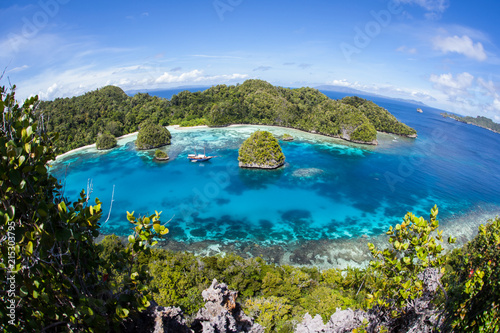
{"x": 328, "y": 190}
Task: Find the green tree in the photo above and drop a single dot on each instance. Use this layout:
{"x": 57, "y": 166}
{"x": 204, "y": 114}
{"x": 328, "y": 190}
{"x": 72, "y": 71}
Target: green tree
{"x": 50, "y": 256}
{"x": 474, "y": 282}
{"x": 414, "y": 247}
{"x": 105, "y": 141}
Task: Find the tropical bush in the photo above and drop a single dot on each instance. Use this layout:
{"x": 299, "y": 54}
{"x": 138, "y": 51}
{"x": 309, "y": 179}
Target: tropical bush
{"x": 57, "y": 280}
{"x": 474, "y": 283}
{"x": 414, "y": 247}
{"x": 105, "y": 141}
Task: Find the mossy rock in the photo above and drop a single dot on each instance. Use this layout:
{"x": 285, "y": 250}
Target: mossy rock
{"x": 105, "y": 141}
{"x": 160, "y": 155}
{"x": 152, "y": 136}
{"x": 287, "y": 137}
{"x": 261, "y": 150}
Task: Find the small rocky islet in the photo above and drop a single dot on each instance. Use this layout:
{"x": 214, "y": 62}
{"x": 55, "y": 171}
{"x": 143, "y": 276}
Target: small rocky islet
{"x": 261, "y": 151}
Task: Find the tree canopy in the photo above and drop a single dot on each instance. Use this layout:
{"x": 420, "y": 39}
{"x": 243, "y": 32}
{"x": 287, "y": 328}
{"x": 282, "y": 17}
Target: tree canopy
{"x": 105, "y": 141}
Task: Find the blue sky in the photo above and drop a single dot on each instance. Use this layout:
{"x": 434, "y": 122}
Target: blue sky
{"x": 444, "y": 53}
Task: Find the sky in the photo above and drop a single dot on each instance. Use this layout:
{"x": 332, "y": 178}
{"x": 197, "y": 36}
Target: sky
{"x": 444, "y": 53}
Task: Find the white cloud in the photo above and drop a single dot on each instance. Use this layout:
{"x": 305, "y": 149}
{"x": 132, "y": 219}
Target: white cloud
{"x": 262, "y": 68}
{"x": 170, "y": 78}
{"x": 453, "y": 87}
{"x": 405, "y": 49}
{"x": 463, "y": 45}
{"x": 18, "y": 69}
{"x": 76, "y": 81}
{"x": 488, "y": 86}
{"x": 434, "y": 7}
{"x": 430, "y": 5}
{"x": 386, "y": 90}
{"x": 466, "y": 95}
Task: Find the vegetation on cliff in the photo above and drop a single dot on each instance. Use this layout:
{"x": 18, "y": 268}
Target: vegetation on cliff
{"x": 105, "y": 141}
{"x": 57, "y": 279}
{"x": 381, "y": 119}
{"x": 480, "y": 121}
{"x": 261, "y": 150}
{"x": 78, "y": 120}
{"x": 152, "y": 135}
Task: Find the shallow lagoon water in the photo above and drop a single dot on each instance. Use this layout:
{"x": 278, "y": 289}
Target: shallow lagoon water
{"x": 321, "y": 208}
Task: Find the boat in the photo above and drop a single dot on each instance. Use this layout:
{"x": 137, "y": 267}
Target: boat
{"x": 419, "y": 110}
{"x": 199, "y": 157}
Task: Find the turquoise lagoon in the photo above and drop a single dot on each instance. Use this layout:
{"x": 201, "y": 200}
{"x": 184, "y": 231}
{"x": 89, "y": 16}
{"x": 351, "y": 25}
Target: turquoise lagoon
{"x": 321, "y": 208}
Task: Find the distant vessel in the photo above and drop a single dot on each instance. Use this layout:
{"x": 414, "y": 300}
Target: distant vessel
{"x": 419, "y": 110}
{"x": 199, "y": 157}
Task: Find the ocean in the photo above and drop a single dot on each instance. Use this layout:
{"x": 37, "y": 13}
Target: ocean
{"x": 329, "y": 200}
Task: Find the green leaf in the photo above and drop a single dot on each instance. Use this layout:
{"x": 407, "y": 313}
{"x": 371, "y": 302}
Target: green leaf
{"x": 122, "y": 312}
{"x": 62, "y": 207}
{"x": 29, "y": 248}
{"x": 131, "y": 239}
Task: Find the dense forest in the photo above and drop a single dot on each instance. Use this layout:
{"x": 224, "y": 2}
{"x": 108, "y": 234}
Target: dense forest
{"x": 478, "y": 121}
{"x": 80, "y": 120}
{"x": 58, "y": 278}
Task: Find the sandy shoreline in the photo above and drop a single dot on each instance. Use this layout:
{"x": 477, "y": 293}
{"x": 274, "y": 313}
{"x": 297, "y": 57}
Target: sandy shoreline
{"x": 91, "y": 146}
{"x": 178, "y": 127}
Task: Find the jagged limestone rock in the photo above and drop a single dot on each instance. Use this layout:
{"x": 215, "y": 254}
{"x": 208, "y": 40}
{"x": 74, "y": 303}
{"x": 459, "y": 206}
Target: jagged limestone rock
{"x": 344, "y": 321}
{"x": 170, "y": 320}
{"x": 222, "y": 314}
{"x": 311, "y": 325}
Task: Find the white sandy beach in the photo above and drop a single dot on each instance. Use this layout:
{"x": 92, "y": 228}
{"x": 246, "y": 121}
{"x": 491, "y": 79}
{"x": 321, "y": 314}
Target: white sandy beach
{"x": 120, "y": 140}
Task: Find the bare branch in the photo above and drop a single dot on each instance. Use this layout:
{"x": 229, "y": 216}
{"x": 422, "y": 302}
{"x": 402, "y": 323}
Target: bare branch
{"x": 111, "y": 205}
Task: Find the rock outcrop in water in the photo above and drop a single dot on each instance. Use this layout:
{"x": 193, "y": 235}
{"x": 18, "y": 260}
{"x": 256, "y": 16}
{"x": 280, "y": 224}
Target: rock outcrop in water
{"x": 262, "y": 151}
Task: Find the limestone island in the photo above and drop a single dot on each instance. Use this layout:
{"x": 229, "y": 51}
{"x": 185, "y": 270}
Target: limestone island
{"x": 105, "y": 141}
{"x": 287, "y": 137}
{"x": 152, "y": 136}
{"x": 160, "y": 155}
{"x": 261, "y": 151}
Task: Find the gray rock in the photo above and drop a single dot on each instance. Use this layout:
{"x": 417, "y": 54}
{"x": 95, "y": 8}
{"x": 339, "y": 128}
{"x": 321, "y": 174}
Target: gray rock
{"x": 222, "y": 314}
{"x": 170, "y": 320}
{"x": 311, "y": 325}
{"x": 344, "y": 321}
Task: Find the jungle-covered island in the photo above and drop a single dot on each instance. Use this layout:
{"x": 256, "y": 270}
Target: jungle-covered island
{"x": 152, "y": 135}
{"x": 160, "y": 155}
{"x": 479, "y": 121}
{"x": 261, "y": 150}
{"x": 79, "y": 120}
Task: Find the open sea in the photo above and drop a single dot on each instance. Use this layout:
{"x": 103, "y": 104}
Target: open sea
{"x": 329, "y": 200}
